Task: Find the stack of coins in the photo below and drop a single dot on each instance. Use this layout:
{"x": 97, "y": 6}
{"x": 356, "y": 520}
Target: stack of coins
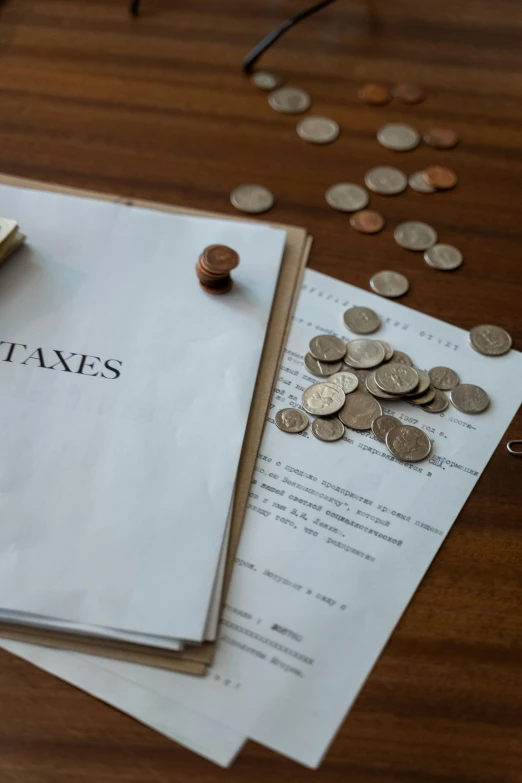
{"x": 214, "y": 267}
{"x": 10, "y": 237}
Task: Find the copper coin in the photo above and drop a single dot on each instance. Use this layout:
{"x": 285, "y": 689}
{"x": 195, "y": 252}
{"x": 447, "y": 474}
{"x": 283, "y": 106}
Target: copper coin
{"x": 222, "y": 289}
{"x": 440, "y": 177}
{"x": 220, "y": 258}
{"x": 367, "y": 221}
{"x": 210, "y": 280}
{"x": 408, "y": 93}
{"x": 374, "y": 94}
{"x": 441, "y": 138}
{"x": 202, "y": 267}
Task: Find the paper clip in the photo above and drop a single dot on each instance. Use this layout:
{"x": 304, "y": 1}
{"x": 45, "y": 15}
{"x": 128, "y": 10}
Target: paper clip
{"x": 512, "y": 447}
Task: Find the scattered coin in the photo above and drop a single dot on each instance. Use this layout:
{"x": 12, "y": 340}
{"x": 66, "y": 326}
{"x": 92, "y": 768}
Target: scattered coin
{"x": 444, "y": 257}
{"x": 386, "y": 180}
{"x": 422, "y": 399}
{"x": 252, "y": 198}
{"x": 397, "y": 378}
{"x": 359, "y": 411}
{"x": 364, "y": 353}
{"x": 322, "y": 369}
{"x": 328, "y": 429}
{"x": 440, "y": 177}
{"x": 289, "y": 100}
{"x": 361, "y": 320}
{"x": 382, "y": 425}
{"x": 389, "y": 284}
{"x": 408, "y": 443}
{"x": 441, "y": 138}
{"x": 347, "y": 197}
{"x": 443, "y": 378}
{"x": 266, "y": 80}
{"x": 438, "y": 404}
{"x": 408, "y": 93}
{"x": 371, "y": 386}
{"x": 367, "y": 221}
{"x": 414, "y": 235}
{"x": 327, "y": 348}
{"x": 318, "y": 130}
{"x": 347, "y": 381}
{"x": 388, "y": 350}
{"x": 490, "y": 340}
{"x": 291, "y": 420}
{"x": 398, "y": 137}
{"x": 361, "y": 377}
{"x": 423, "y": 385}
{"x": 417, "y": 182}
{"x": 402, "y": 358}
{"x": 468, "y": 398}
{"x": 323, "y": 399}
{"x": 375, "y": 94}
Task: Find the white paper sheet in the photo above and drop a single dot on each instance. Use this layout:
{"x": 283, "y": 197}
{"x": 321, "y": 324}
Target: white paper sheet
{"x": 149, "y": 431}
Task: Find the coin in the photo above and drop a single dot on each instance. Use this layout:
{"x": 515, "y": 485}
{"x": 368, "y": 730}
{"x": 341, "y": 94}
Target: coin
{"x": 289, "y": 100}
{"x": 347, "y": 381}
{"x": 323, "y": 399}
{"x": 441, "y": 138}
{"x": 359, "y": 411}
{"x": 443, "y": 378}
{"x": 361, "y": 320}
{"x": 414, "y": 235}
{"x": 347, "y": 197}
{"x": 389, "y": 284}
{"x": 408, "y": 443}
{"x": 252, "y": 198}
{"x": 364, "y": 353}
{"x": 219, "y": 259}
{"x": 402, "y": 358}
{"x": 423, "y": 385}
{"x": 398, "y": 137}
{"x": 374, "y": 94}
{"x": 438, "y": 404}
{"x": 490, "y": 340}
{"x": 417, "y": 182}
{"x": 367, "y": 221}
{"x": 318, "y": 130}
{"x": 372, "y": 387}
{"x": 328, "y": 428}
{"x": 322, "y": 369}
{"x": 361, "y": 377}
{"x": 440, "y": 177}
{"x": 327, "y": 348}
{"x": 382, "y": 425}
{"x": 468, "y": 398}
{"x": 291, "y": 420}
{"x": 408, "y": 93}
{"x": 444, "y": 257}
{"x": 397, "y": 378}
{"x": 388, "y": 350}
{"x": 422, "y": 399}
{"x": 386, "y": 180}
{"x": 266, "y": 80}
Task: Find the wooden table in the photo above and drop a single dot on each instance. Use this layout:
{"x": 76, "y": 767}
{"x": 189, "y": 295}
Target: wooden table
{"x": 158, "y": 108}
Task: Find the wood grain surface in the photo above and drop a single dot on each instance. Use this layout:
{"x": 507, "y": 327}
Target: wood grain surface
{"x": 158, "y": 108}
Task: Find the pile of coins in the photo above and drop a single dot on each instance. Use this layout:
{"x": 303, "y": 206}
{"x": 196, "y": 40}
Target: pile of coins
{"x": 214, "y": 266}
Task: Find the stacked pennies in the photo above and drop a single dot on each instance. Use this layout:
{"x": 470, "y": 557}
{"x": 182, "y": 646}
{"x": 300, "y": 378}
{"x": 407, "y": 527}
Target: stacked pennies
{"x": 214, "y": 266}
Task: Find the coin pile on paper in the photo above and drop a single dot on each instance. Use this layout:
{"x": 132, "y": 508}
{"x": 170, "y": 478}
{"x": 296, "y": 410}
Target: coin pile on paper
{"x": 10, "y": 237}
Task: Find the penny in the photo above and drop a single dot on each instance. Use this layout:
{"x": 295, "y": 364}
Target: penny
{"x": 468, "y": 398}
{"x": 444, "y": 257}
{"x": 422, "y": 399}
{"x": 438, "y": 404}
{"x": 441, "y": 138}
{"x": 440, "y": 177}
{"x": 359, "y": 411}
{"x": 364, "y": 353}
{"x": 374, "y": 94}
{"x": 414, "y": 235}
{"x": 253, "y": 199}
{"x": 490, "y": 340}
{"x": 327, "y": 348}
{"x": 443, "y": 378}
{"x": 219, "y": 259}
{"x": 386, "y": 180}
{"x": 291, "y": 420}
{"x": 372, "y": 387}
{"x": 422, "y": 386}
{"x": 417, "y": 182}
{"x": 388, "y": 350}
{"x": 328, "y": 429}
{"x": 397, "y": 378}
{"x": 347, "y": 381}
{"x": 389, "y": 284}
{"x": 408, "y": 93}
{"x": 361, "y": 320}
{"x": 289, "y": 100}
{"x": 402, "y": 358}
{"x": 382, "y": 425}
{"x": 347, "y": 197}
{"x": 266, "y": 80}
{"x": 323, "y": 399}
{"x": 322, "y": 369}
{"x": 367, "y": 221}
{"x": 398, "y": 137}
{"x": 222, "y": 287}
{"x": 318, "y": 130}
{"x": 408, "y": 443}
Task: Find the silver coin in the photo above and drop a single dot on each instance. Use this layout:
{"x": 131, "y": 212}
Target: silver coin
{"x": 361, "y": 320}
{"x": 321, "y": 369}
{"x": 408, "y": 443}
{"x": 323, "y": 399}
{"x": 291, "y": 420}
{"x": 327, "y": 348}
{"x": 422, "y": 399}
{"x": 372, "y": 387}
{"x": 438, "y": 404}
{"x": 402, "y": 358}
{"x": 318, "y": 130}
{"x": 382, "y": 425}
{"x": 388, "y": 350}
{"x": 443, "y": 378}
{"x": 398, "y": 137}
{"x": 253, "y": 199}
{"x": 417, "y": 182}
{"x": 359, "y": 411}
{"x": 289, "y": 100}
{"x": 364, "y": 353}
{"x": 422, "y": 386}
{"x": 444, "y": 257}
{"x": 396, "y": 378}
{"x": 490, "y": 340}
{"x": 266, "y": 80}
{"x": 386, "y": 180}
{"x": 347, "y": 381}
{"x": 468, "y": 398}
{"x": 347, "y": 197}
{"x": 389, "y": 284}
{"x": 414, "y": 235}
{"x": 328, "y": 428}
{"x": 361, "y": 377}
